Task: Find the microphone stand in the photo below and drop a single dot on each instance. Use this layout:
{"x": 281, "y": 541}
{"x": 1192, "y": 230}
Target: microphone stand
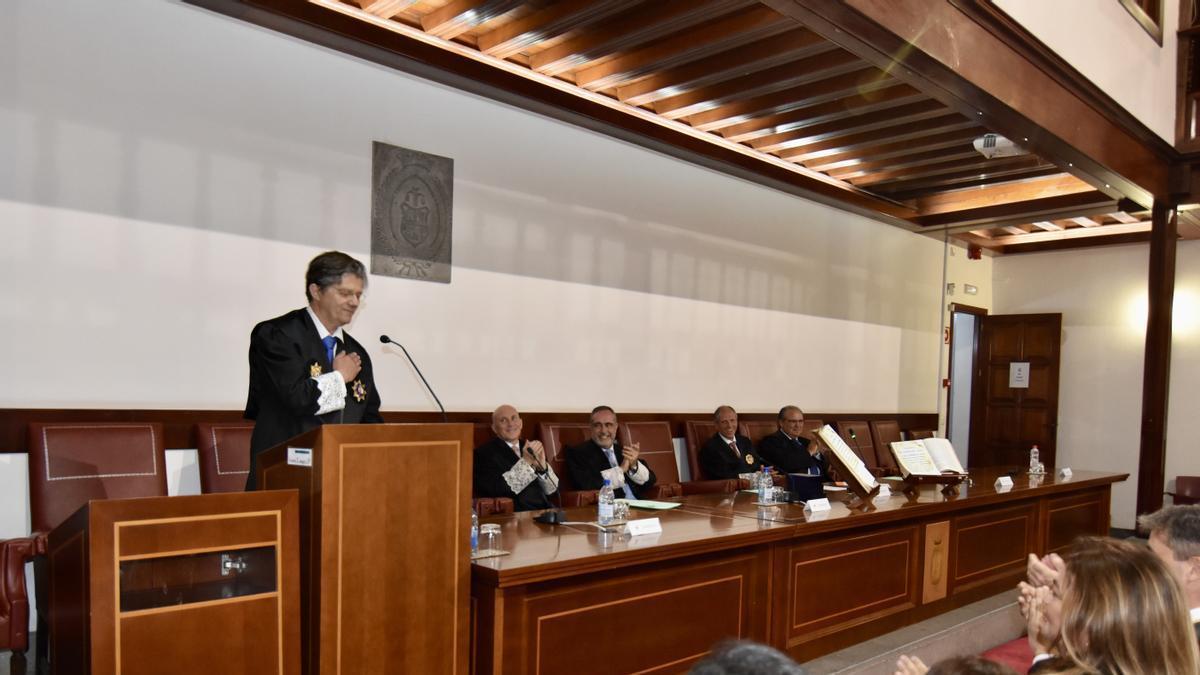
{"x": 387, "y": 340}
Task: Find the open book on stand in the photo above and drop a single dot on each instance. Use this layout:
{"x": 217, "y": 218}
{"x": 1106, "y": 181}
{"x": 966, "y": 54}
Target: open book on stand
{"x": 926, "y": 457}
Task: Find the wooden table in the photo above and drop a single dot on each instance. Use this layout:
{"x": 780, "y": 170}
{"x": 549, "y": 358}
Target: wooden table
{"x": 570, "y": 600}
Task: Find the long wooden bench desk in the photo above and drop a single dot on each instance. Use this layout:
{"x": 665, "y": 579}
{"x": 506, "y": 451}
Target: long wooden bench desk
{"x": 568, "y": 599}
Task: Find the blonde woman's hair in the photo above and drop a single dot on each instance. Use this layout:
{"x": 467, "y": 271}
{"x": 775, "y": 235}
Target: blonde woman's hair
{"x": 1123, "y": 613}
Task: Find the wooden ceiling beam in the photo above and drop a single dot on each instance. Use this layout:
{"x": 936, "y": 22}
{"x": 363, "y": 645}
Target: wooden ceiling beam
{"x": 632, "y": 28}
{"x": 834, "y": 63}
{"x": 829, "y": 89}
{"x": 1002, "y": 193}
{"x": 972, "y": 164}
{"x": 1076, "y": 233}
{"x": 968, "y": 176}
{"x": 880, "y": 99}
{"x": 1048, "y": 208}
{"x": 561, "y": 17}
{"x": 385, "y": 9}
{"x": 719, "y": 35}
{"x": 868, "y": 167}
{"x": 685, "y": 77}
{"x": 972, "y": 58}
{"x": 891, "y": 148}
{"x": 459, "y": 16}
{"x": 1048, "y": 226}
{"x": 1122, "y": 217}
{"x": 1085, "y": 222}
{"x": 930, "y": 127}
{"x": 849, "y": 124}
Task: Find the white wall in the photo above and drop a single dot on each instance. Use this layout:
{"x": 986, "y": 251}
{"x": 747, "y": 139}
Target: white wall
{"x": 1102, "y": 295}
{"x": 1101, "y": 40}
{"x": 164, "y": 198}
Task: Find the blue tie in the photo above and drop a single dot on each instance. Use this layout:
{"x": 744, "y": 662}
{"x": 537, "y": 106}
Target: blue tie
{"x": 612, "y": 461}
{"x": 330, "y": 343}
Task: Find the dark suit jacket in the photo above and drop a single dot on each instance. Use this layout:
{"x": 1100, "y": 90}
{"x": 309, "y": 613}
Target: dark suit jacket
{"x": 718, "y": 460}
{"x": 492, "y": 460}
{"x": 282, "y": 401}
{"x": 585, "y": 462}
{"x": 789, "y": 456}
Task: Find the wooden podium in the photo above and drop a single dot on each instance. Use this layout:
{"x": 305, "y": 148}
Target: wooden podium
{"x": 385, "y": 514}
{"x": 187, "y": 585}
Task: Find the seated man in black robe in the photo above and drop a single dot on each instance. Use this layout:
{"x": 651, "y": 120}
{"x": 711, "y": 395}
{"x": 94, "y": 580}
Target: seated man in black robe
{"x": 788, "y": 451}
{"x": 507, "y": 466}
{"x": 728, "y": 454}
{"x": 601, "y": 457}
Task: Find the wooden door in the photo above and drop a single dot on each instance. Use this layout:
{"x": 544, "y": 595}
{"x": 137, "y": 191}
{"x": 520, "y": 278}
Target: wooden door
{"x": 1007, "y": 421}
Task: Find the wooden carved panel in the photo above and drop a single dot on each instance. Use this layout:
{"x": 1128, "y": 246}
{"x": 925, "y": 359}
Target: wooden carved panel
{"x": 937, "y": 561}
{"x": 881, "y": 568}
{"x": 992, "y": 546}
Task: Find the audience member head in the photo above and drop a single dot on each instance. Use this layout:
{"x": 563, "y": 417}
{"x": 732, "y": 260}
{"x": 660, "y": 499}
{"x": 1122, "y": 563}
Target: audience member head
{"x": 727, "y": 421}
{"x": 506, "y": 423}
{"x": 1175, "y": 539}
{"x": 741, "y": 657}
{"x": 1122, "y": 612}
{"x": 969, "y": 665}
{"x": 334, "y": 286}
{"x": 791, "y": 420}
{"x": 604, "y": 426}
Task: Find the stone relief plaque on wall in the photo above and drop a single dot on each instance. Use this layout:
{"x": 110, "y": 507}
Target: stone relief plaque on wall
{"x": 411, "y": 204}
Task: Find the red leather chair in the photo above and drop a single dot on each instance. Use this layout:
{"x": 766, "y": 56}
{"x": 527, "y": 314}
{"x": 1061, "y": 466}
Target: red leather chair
{"x": 556, "y": 438}
{"x": 71, "y": 464}
{"x": 14, "y": 599}
{"x": 756, "y": 431}
{"x": 919, "y": 434}
{"x": 860, "y": 442}
{"x": 883, "y": 434}
{"x": 697, "y": 432}
{"x": 1187, "y": 490}
{"x": 658, "y": 451}
{"x": 224, "y": 453}
{"x": 492, "y": 506}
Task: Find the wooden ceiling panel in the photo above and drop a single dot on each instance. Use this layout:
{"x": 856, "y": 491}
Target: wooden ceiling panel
{"x": 777, "y": 89}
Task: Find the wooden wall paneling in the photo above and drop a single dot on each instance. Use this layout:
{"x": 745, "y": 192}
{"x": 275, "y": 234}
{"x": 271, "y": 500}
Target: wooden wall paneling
{"x": 832, "y": 588}
{"x": 727, "y": 590}
{"x": 1066, "y": 518}
{"x": 178, "y": 424}
{"x": 989, "y": 549}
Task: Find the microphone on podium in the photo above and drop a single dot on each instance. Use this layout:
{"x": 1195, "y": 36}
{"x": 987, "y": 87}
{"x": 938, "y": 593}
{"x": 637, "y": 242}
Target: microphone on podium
{"x": 554, "y": 515}
{"x": 387, "y": 340}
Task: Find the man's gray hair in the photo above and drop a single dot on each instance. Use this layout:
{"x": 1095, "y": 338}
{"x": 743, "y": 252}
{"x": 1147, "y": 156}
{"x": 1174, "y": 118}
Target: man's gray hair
{"x": 1180, "y": 526}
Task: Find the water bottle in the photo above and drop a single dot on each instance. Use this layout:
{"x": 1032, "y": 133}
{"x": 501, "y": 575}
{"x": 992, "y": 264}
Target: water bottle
{"x": 605, "y": 504}
{"x": 474, "y": 532}
{"x": 1035, "y": 462}
{"x": 764, "y": 485}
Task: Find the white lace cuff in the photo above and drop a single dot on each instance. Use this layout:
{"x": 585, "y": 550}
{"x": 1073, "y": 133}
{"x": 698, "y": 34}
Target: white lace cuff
{"x": 641, "y": 475}
{"x": 615, "y": 477}
{"x": 519, "y": 476}
{"x": 549, "y": 481}
{"x": 333, "y": 392}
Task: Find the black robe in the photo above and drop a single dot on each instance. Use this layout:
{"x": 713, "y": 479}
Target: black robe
{"x": 492, "y": 460}
{"x": 718, "y": 460}
{"x": 790, "y": 456}
{"x": 585, "y": 462}
{"x": 285, "y": 354}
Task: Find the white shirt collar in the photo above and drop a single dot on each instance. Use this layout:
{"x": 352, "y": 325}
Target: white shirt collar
{"x": 321, "y": 331}
{"x": 726, "y": 439}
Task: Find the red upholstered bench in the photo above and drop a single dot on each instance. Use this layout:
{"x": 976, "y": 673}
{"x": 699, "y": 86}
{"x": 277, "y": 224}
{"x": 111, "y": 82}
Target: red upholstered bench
{"x": 1015, "y": 654}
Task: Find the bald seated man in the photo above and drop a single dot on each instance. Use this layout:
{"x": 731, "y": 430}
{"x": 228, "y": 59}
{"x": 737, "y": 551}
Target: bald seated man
{"x": 507, "y": 466}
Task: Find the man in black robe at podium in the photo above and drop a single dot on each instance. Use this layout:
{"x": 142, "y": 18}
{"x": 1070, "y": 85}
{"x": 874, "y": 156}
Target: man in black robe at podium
{"x": 728, "y": 454}
{"x": 305, "y": 370}
{"x": 507, "y": 466}
{"x": 788, "y": 451}
{"x": 601, "y": 457}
